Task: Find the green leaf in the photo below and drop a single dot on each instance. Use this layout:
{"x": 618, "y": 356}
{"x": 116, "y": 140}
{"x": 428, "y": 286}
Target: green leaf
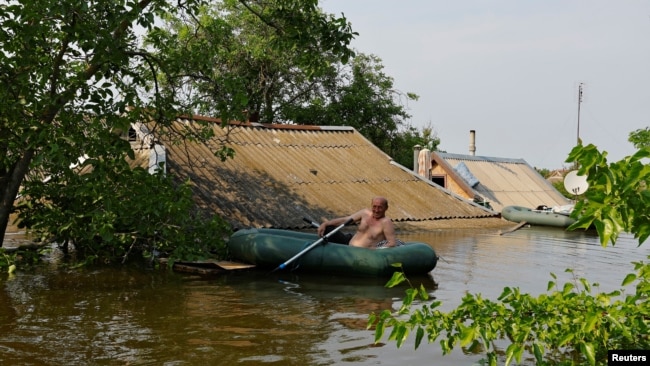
{"x": 567, "y": 288}
{"x": 396, "y": 279}
{"x": 590, "y": 322}
{"x": 400, "y": 331}
{"x": 466, "y": 335}
{"x": 418, "y": 337}
{"x": 538, "y": 351}
{"x": 510, "y": 353}
{"x": 507, "y": 291}
{"x": 550, "y": 285}
{"x": 587, "y": 349}
{"x": 628, "y": 279}
{"x": 379, "y": 331}
{"x": 424, "y": 295}
{"x": 565, "y": 339}
{"x": 372, "y": 318}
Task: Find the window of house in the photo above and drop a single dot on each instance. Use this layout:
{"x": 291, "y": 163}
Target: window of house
{"x": 440, "y": 180}
{"x": 133, "y": 136}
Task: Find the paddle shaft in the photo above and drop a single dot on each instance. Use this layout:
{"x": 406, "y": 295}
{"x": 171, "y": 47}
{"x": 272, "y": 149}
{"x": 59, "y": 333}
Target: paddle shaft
{"x": 310, "y": 221}
{"x": 312, "y": 245}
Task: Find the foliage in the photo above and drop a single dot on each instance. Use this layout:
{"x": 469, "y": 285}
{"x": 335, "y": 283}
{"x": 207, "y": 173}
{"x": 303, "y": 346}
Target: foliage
{"x": 10, "y": 260}
{"x": 640, "y": 138}
{"x": 239, "y": 73}
{"x": 558, "y": 185}
{"x": 569, "y": 325}
{"x": 543, "y": 172}
{"x": 402, "y": 144}
{"x": 362, "y": 97}
{"x": 112, "y": 211}
{"x": 618, "y": 198}
{"x": 251, "y": 59}
{"x": 74, "y": 73}
{"x": 560, "y": 188}
{"x": 66, "y": 81}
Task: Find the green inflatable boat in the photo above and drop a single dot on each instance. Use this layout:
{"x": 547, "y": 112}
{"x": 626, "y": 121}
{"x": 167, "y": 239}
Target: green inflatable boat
{"x": 270, "y": 248}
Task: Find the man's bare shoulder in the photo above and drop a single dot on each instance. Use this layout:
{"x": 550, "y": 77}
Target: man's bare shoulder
{"x": 386, "y": 221}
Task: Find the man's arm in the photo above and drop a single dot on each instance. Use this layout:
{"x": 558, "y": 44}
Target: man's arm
{"x": 356, "y": 217}
{"x": 389, "y": 233}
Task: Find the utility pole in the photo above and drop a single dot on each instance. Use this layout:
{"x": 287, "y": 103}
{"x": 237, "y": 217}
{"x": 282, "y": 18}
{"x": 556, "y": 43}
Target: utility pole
{"x": 579, "y": 102}
{"x": 575, "y": 165}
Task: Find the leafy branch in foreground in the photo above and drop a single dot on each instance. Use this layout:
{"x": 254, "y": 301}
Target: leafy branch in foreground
{"x": 618, "y": 198}
{"x": 565, "y": 326}
{"x": 569, "y": 325}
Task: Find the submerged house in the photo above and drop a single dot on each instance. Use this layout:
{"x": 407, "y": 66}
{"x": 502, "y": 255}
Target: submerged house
{"x": 490, "y": 181}
{"x": 499, "y": 182}
{"x": 281, "y": 174}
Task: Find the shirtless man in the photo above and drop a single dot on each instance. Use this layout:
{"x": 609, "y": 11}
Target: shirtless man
{"x": 374, "y": 226}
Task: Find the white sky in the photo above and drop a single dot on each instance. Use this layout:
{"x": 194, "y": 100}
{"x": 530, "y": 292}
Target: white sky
{"x": 510, "y": 69}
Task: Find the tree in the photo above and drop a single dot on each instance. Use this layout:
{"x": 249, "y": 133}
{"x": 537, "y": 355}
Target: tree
{"x": 543, "y": 172}
{"x": 65, "y": 78}
{"x": 244, "y": 76}
{"x": 114, "y": 211}
{"x": 73, "y": 75}
{"x": 640, "y": 138}
{"x": 362, "y": 97}
{"x": 245, "y": 62}
{"x": 562, "y": 189}
{"x": 401, "y": 146}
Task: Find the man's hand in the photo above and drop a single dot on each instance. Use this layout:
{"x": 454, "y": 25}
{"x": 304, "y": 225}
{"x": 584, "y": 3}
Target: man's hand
{"x": 321, "y": 229}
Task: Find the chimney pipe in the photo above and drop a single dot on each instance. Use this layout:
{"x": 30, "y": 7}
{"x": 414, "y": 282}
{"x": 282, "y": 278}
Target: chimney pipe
{"x": 416, "y": 154}
{"x": 472, "y": 142}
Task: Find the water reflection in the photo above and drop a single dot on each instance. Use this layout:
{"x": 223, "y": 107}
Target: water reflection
{"x": 53, "y": 316}
{"x": 69, "y": 317}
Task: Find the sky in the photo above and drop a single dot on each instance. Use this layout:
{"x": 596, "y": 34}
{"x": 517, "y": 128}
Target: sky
{"x": 511, "y": 71}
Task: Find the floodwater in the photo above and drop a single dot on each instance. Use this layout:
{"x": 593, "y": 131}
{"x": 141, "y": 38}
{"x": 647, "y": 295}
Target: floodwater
{"x": 131, "y": 316}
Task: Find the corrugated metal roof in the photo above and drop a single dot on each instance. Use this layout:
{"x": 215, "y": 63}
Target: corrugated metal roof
{"x": 282, "y": 173}
{"x": 504, "y": 182}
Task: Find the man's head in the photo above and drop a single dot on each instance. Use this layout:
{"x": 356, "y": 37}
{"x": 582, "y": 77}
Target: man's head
{"x": 379, "y": 207}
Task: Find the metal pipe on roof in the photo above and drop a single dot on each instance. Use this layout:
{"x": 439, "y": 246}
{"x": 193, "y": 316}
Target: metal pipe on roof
{"x": 472, "y": 142}
{"x": 416, "y": 155}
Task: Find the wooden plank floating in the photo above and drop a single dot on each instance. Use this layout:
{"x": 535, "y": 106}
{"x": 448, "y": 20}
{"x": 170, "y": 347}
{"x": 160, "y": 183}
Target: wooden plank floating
{"x": 517, "y": 227}
{"x": 227, "y": 265}
{"x": 207, "y": 267}
{"x": 184, "y": 268}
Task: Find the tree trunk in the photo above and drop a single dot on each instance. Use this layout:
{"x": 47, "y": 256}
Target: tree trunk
{"x": 14, "y": 179}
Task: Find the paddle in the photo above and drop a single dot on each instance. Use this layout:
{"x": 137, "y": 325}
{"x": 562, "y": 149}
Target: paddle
{"x": 312, "y": 245}
{"x": 309, "y": 221}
